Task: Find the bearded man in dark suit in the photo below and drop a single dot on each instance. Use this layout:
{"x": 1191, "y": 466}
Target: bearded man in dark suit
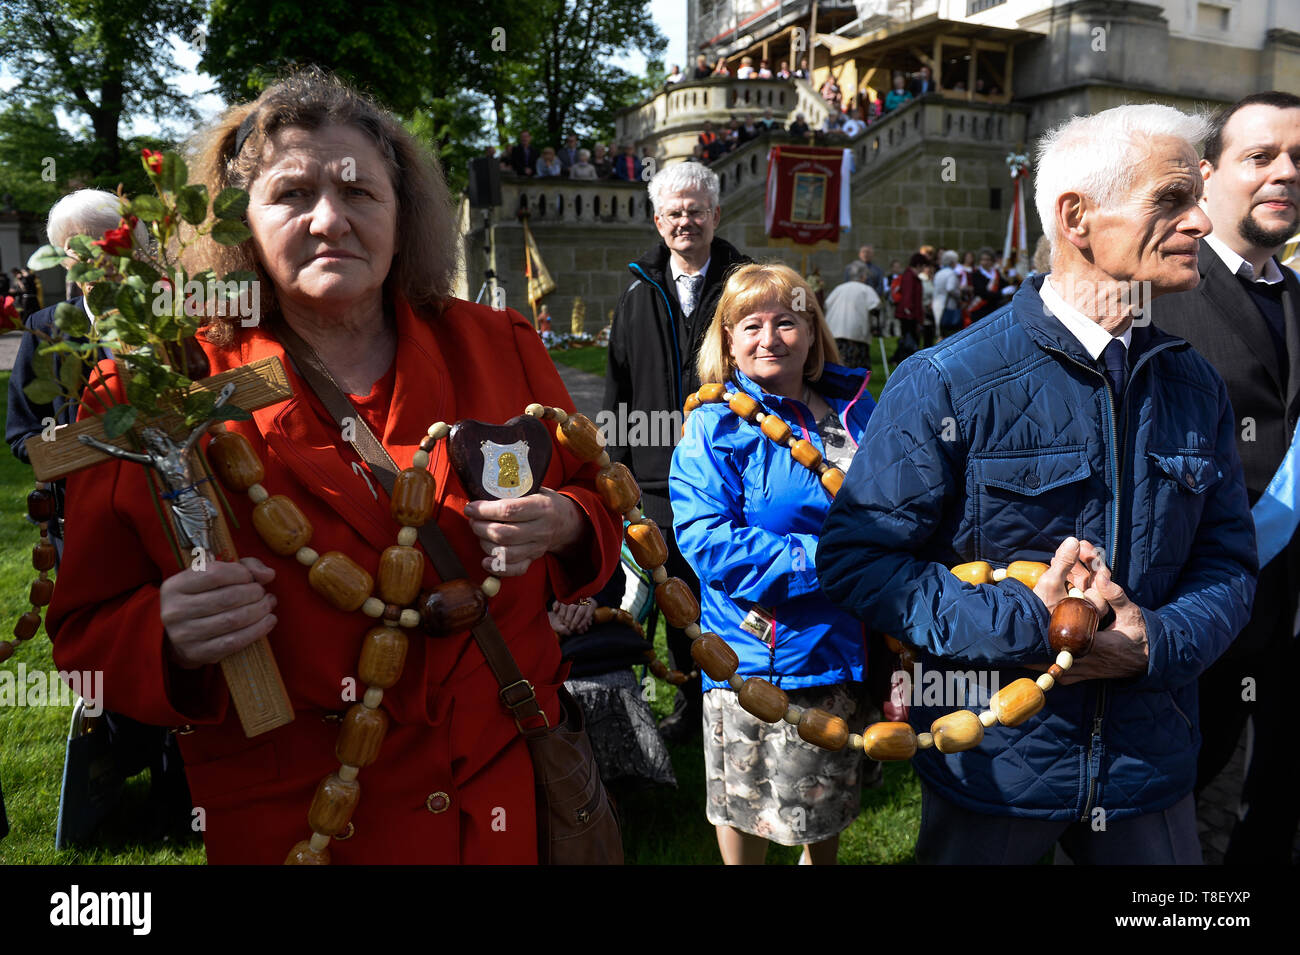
{"x": 1244, "y": 317}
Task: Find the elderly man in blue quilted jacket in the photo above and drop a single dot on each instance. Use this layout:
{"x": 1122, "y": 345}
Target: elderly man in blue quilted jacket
{"x": 1064, "y": 426}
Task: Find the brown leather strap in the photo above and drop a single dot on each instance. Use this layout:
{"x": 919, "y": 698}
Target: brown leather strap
{"x": 516, "y": 692}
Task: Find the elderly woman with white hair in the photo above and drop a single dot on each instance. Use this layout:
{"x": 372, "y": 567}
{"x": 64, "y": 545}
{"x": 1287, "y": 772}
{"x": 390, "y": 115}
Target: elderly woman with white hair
{"x": 85, "y": 212}
{"x": 947, "y": 293}
{"x": 654, "y": 339}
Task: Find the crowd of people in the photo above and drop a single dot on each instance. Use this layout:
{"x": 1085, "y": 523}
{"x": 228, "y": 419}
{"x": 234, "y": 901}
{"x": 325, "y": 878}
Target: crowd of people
{"x": 1027, "y": 420}
{"x": 570, "y": 161}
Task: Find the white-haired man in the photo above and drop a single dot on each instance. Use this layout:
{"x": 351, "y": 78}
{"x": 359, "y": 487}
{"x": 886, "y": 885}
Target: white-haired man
{"x": 656, "y": 333}
{"x": 133, "y": 745}
{"x": 1059, "y": 427}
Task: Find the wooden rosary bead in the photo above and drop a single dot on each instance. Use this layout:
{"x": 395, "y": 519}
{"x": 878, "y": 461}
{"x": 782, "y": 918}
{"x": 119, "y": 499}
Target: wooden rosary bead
{"x": 793, "y": 715}
{"x": 659, "y": 574}
{"x": 372, "y": 698}
{"x": 617, "y": 488}
{"x": 281, "y": 525}
{"x": 889, "y": 741}
{"x": 491, "y": 586}
{"x": 713, "y": 391}
{"x": 692, "y": 402}
{"x": 1073, "y": 626}
{"x": 975, "y": 572}
{"x": 41, "y": 592}
{"x": 646, "y": 542}
{"x": 1055, "y": 671}
{"x": 407, "y": 536}
{"x": 27, "y": 625}
{"x": 743, "y": 405}
{"x": 1065, "y": 659}
{"x": 602, "y": 615}
{"x": 43, "y": 556}
{"x": 332, "y": 806}
{"x": 676, "y": 677}
{"x": 626, "y": 619}
{"x": 1026, "y": 571}
{"x": 452, "y": 606}
{"x": 401, "y": 571}
{"x": 957, "y": 731}
{"x": 1045, "y": 681}
{"x": 823, "y": 729}
{"x": 715, "y": 657}
{"x": 658, "y": 669}
{"x": 763, "y": 700}
{"x": 807, "y": 455}
{"x": 832, "y": 480}
{"x": 383, "y": 654}
{"x": 257, "y": 494}
{"x": 580, "y": 438}
{"x": 340, "y": 580}
{"x": 1016, "y": 702}
{"x": 412, "y": 499}
{"x": 235, "y": 461}
{"x": 678, "y": 604}
{"x": 303, "y": 854}
{"x": 6, "y": 650}
{"x": 360, "y": 735}
{"x": 40, "y": 505}
{"x": 776, "y": 429}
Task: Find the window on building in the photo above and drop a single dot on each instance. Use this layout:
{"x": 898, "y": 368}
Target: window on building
{"x": 979, "y": 6}
{"x": 1213, "y": 18}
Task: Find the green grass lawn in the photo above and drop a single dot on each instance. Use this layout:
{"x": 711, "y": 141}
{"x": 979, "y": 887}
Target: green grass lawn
{"x": 661, "y": 826}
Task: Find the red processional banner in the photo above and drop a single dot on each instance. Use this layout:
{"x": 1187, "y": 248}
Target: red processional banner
{"x": 807, "y": 194}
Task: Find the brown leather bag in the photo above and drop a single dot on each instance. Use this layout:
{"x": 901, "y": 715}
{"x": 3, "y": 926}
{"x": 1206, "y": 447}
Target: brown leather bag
{"x": 576, "y": 824}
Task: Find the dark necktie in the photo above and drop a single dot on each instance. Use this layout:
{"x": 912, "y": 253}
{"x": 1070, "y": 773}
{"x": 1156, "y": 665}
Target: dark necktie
{"x": 1115, "y": 357}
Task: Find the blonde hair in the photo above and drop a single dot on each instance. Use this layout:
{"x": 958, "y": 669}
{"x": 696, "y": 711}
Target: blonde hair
{"x": 749, "y": 288}
{"x": 425, "y": 265}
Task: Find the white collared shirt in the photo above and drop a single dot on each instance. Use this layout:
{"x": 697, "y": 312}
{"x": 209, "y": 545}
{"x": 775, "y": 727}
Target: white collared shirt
{"x": 675, "y": 270}
{"x": 1091, "y": 336}
{"x": 1240, "y": 267}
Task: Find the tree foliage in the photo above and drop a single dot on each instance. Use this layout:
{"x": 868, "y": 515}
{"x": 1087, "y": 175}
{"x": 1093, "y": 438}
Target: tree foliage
{"x": 102, "y": 61}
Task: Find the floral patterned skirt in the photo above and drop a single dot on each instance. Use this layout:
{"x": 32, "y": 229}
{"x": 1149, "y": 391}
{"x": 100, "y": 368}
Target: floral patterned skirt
{"x": 764, "y": 780}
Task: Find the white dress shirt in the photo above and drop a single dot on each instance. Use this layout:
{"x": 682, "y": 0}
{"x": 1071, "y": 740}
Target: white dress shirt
{"x": 1240, "y": 267}
{"x": 1091, "y": 336}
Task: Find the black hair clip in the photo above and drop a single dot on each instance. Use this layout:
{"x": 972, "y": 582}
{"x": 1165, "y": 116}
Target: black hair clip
{"x": 241, "y": 135}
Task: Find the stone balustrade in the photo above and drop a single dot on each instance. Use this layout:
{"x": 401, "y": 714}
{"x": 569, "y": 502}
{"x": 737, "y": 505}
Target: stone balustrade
{"x": 620, "y": 204}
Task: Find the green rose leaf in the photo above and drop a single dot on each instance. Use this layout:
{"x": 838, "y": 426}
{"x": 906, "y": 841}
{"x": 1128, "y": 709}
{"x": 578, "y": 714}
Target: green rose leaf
{"x": 175, "y": 174}
{"x": 80, "y": 244}
{"x": 230, "y": 231}
{"x": 71, "y": 320}
{"x": 46, "y": 257}
{"x": 148, "y": 208}
{"x": 43, "y": 364}
{"x": 230, "y": 204}
{"x": 144, "y": 270}
{"x": 130, "y": 303}
{"x": 102, "y": 298}
{"x": 192, "y": 202}
{"x": 43, "y": 391}
{"x": 70, "y": 376}
{"x": 118, "y": 420}
{"x": 84, "y": 272}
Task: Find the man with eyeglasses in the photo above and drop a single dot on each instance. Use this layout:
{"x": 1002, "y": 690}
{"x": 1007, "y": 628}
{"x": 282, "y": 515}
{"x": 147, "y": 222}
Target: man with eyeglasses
{"x": 654, "y": 339}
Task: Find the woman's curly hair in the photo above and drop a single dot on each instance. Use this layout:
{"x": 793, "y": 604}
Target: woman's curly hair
{"x": 426, "y": 260}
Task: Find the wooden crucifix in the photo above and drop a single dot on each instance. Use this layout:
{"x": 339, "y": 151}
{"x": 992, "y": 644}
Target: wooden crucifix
{"x": 256, "y": 688}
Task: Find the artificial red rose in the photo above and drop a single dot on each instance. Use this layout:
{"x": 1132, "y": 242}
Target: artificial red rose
{"x": 9, "y": 316}
{"x": 153, "y": 161}
{"x": 116, "y": 241}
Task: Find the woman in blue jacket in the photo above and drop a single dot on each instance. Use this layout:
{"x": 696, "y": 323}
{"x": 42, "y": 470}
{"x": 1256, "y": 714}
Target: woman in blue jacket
{"x": 747, "y": 516}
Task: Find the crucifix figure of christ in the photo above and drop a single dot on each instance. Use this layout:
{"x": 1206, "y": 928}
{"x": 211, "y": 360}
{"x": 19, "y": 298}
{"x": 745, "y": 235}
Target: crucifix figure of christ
{"x": 256, "y": 688}
{"x": 192, "y": 513}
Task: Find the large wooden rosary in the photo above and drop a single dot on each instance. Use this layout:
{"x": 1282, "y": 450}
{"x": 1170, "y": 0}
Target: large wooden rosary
{"x": 1071, "y": 630}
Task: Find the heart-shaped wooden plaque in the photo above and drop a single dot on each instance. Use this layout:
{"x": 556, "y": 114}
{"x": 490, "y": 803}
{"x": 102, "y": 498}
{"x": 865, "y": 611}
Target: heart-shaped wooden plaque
{"x": 500, "y": 461}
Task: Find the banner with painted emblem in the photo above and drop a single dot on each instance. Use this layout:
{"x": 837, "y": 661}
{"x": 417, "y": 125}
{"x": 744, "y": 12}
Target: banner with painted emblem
{"x": 807, "y": 195}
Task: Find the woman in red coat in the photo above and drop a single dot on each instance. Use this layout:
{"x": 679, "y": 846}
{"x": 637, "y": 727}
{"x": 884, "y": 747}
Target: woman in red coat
{"x": 351, "y": 235}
